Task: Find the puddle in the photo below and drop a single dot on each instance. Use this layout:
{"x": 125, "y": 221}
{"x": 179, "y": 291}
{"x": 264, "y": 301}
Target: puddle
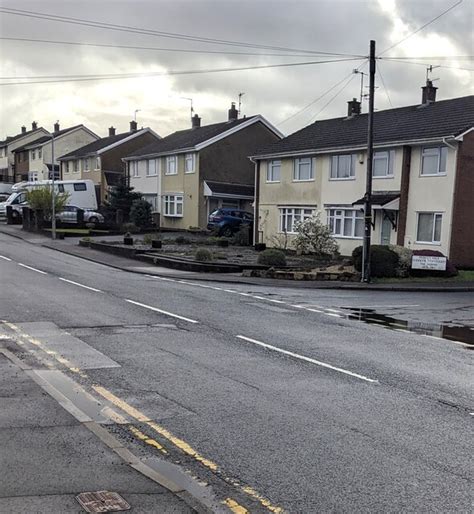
{"x": 449, "y": 330}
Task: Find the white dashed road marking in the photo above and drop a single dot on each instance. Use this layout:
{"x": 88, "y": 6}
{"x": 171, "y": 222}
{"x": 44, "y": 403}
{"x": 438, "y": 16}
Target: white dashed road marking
{"x": 150, "y": 307}
{"x": 5, "y": 258}
{"x": 32, "y": 269}
{"x": 80, "y": 285}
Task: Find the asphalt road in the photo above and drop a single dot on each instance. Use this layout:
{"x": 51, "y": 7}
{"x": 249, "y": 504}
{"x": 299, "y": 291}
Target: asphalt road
{"x": 271, "y": 396}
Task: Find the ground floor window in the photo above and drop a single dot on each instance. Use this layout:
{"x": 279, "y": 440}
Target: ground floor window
{"x": 290, "y": 216}
{"x": 346, "y": 222}
{"x": 429, "y": 227}
{"x": 173, "y": 205}
{"x": 152, "y": 200}
{"x": 33, "y": 176}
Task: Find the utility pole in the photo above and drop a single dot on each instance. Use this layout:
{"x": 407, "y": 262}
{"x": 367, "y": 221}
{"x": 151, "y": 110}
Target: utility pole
{"x": 370, "y": 159}
{"x": 53, "y": 195}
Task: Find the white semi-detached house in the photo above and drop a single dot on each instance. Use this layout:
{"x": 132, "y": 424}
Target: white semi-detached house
{"x": 423, "y": 178}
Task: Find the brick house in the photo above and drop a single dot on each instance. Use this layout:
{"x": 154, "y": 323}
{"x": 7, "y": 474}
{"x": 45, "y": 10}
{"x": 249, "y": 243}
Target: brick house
{"x": 423, "y": 178}
{"x": 101, "y": 160}
{"x": 192, "y": 172}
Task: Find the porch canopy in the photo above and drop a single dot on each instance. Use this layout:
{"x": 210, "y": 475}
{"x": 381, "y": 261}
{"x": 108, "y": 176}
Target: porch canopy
{"x": 382, "y": 200}
{"x": 228, "y": 190}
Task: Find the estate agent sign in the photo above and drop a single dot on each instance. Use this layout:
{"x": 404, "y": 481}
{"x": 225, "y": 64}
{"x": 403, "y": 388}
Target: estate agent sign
{"x": 428, "y": 262}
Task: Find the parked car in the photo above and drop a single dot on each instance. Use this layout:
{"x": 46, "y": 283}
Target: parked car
{"x": 228, "y": 221}
{"x": 69, "y": 215}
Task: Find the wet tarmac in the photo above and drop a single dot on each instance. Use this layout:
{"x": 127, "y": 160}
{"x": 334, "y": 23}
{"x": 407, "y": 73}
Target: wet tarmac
{"x": 447, "y": 330}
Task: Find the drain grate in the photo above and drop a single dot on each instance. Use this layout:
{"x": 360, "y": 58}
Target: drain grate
{"x": 102, "y": 501}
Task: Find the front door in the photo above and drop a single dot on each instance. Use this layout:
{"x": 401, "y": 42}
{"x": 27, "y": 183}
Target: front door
{"x": 385, "y": 231}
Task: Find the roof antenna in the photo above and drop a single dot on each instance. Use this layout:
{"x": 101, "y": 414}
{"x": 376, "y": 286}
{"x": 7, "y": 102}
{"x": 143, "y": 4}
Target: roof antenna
{"x": 191, "y": 101}
{"x": 240, "y": 102}
{"x": 429, "y": 70}
{"x": 362, "y": 75}
{"x": 135, "y": 114}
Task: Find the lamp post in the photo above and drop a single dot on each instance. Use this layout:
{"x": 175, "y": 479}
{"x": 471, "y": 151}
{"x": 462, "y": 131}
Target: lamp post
{"x": 53, "y": 194}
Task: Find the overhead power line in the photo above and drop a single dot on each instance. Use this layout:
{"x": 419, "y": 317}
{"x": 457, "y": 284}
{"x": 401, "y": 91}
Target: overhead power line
{"x": 51, "y": 79}
{"x": 432, "y": 57}
{"x": 422, "y": 27}
{"x": 333, "y": 97}
{"x": 318, "y": 98}
{"x": 425, "y": 64}
{"x": 153, "y": 48}
{"x": 384, "y": 86}
{"x": 156, "y": 33}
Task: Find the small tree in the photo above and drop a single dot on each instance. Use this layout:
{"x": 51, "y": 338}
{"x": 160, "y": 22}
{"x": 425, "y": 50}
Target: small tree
{"x": 41, "y": 198}
{"x": 315, "y": 237}
{"x": 140, "y": 213}
{"x": 121, "y": 197}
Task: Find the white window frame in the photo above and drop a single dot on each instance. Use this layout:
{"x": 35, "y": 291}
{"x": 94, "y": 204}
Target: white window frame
{"x": 97, "y": 163}
{"x": 33, "y": 176}
{"x": 341, "y": 215}
{"x": 171, "y": 159}
{"x": 334, "y": 166}
{"x": 171, "y": 202}
{"x": 75, "y": 166}
{"x": 297, "y": 162}
{"x": 154, "y": 201}
{"x": 295, "y": 214}
{"x": 148, "y": 167}
{"x": 389, "y": 157}
{"x": 39, "y": 153}
{"x": 439, "y": 154}
{"x": 86, "y": 164}
{"x": 272, "y": 166}
{"x": 190, "y": 158}
{"x": 33, "y": 154}
{"x": 435, "y": 214}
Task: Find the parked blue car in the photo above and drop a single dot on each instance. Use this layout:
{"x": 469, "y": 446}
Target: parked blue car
{"x": 226, "y": 222}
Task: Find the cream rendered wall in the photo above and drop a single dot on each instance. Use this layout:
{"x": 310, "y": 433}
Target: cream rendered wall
{"x": 62, "y": 145}
{"x": 430, "y": 194}
{"x": 147, "y": 184}
{"x": 287, "y": 193}
{"x": 186, "y": 184}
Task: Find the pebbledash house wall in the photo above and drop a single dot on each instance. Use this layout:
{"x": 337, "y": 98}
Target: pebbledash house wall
{"x": 462, "y": 233}
{"x": 321, "y": 194}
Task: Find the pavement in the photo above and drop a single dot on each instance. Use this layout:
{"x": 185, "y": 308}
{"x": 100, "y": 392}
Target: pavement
{"x": 71, "y": 246}
{"x": 266, "y": 399}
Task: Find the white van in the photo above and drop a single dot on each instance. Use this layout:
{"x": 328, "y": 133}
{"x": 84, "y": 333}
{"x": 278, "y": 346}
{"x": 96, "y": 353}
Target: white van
{"x": 81, "y": 194}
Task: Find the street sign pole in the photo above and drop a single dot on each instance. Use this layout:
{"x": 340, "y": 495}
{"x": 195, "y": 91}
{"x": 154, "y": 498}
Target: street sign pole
{"x": 370, "y": 153}
{"x": 53, "y": 195}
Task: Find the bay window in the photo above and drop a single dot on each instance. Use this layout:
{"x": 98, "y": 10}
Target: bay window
{"x": 290, "y": 216}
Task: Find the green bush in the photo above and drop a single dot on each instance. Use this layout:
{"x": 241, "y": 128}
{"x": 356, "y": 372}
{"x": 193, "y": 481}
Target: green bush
{"x": 140, "y": 213}
{"x": 242, "y": 236}
{"x": 148, "y": 238}
{"x": 181, "y": 240}
{"x": 41, "y": 198}
{"x": 404, "y": 260}
{"x": 272, "y": 257}
{"x": 203, "y": 255}
{"x": 130, "y": 227}
{"x": 383, "y": 261}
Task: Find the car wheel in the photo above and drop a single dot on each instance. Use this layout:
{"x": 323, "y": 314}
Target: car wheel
{"x": 227, "y": 232}
{"x": 93, "y": 219}
{"x": 15, "y": 215}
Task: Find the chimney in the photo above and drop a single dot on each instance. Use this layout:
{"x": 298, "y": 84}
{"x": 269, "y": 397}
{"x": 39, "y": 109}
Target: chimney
{"x": 233, "y": 112}
{"x": 353, "y": 108}
{"x": 56, "y": 127}
{"x": 429, "y": 93}
{"x": 133, "y": 126}
{"x": 111, "y": 131}
{"x": 34, "y": 125}
{"x": 195, "y": 121}
{"x": 23, "y": 129}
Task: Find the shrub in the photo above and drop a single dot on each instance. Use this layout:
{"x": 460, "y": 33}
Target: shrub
{"x": 314, "y": 237}
{"x": 181, "y": 240}
{"x": 450, "y": 271}
{"x": 404, "y": 260}
{"x": 149, "y": 238}
{"x": 272, "y": 257}
{"x": 130, "y": 227}
{"x": 140, "y": 213}
{"x": 242, "y": 236}
{"x": 383, "y": 261}
{"x": 203, "y": 255}
{"x": 121, "y": 197}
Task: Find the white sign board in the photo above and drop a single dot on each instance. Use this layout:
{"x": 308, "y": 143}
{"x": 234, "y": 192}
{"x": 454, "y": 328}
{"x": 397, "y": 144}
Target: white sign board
{"x": 428, "y": 262}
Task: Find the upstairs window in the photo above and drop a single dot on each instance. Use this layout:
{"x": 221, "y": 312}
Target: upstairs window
{"x": 343, "y": 167}
{"x": 189, "y": 163}
{"x": 33, "y": 154}
{"x": 433, "y": 160}
{"x": 429, "y": 227}
{"x": 39, "y": 153}
{"x": 76, "y": 166}
{"x": 134, "y": 169}
{"x": 273, "y": 171}
{"x": 171, "y": 165}
{"x": 303, "y": 169}
{"x": 383, "y": 163}
{"x": 151, "y": 168}
{"x": 86, "y": 164}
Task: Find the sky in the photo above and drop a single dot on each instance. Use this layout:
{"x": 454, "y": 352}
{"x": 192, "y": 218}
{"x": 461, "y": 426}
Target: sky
{"x": 280, "y": 94}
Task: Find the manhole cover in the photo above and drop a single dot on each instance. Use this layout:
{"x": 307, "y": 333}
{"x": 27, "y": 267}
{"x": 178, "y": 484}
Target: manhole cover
{"x": 102, "y": 501}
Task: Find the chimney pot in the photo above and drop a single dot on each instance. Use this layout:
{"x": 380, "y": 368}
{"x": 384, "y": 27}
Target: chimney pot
{"x": 23, "y": 129}
{"x": 353, "y": 108}
{"x": 111, "y": 131}
{"x": 133, "y": 126}
{"x": 429, "y": 93}
{"x": 56, "y": 127}
{"x": 233, "y": 112}
{"x": 34, "y": 125}
{"x": 195, "y": 121}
